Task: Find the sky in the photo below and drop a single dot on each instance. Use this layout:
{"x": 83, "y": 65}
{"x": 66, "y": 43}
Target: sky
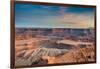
{"x": 43, "y": 16}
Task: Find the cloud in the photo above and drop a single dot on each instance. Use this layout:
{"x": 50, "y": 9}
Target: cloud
{"x": 68, "y": 20}
{"x": 62, "y": 10}
{"x": 77, "y": 20}
{"x": 53, "y": 16}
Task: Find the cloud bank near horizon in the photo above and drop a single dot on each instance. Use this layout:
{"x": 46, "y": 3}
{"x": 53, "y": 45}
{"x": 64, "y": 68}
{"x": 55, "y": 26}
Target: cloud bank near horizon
{"x": 28, "y": 15}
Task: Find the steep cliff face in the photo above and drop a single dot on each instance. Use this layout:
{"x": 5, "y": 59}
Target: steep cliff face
{"x": 85, "y": 54}
{"x": 50, "y": 46}
{"x": 47, "y": 50}
{"x": 51, "y": 53}
{"x": 44, "y": 56}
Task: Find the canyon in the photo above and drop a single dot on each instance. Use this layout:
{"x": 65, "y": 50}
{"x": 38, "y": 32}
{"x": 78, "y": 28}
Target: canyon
{"x": 41, "y": 46}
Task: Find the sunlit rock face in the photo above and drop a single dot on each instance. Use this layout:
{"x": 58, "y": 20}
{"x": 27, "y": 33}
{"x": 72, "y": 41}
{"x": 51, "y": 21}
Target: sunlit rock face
{"x": 48, "y": 54}
{"x": 36, "y": 56}
{"x": 50, "y": 46}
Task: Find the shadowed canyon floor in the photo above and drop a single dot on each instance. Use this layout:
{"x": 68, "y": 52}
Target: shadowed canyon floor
{"x": 38, "y": 51}
{"x": 42, "y": 46}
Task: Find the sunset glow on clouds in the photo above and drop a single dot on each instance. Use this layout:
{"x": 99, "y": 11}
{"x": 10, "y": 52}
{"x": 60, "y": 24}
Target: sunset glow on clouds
{"x": 28, "y": 15}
